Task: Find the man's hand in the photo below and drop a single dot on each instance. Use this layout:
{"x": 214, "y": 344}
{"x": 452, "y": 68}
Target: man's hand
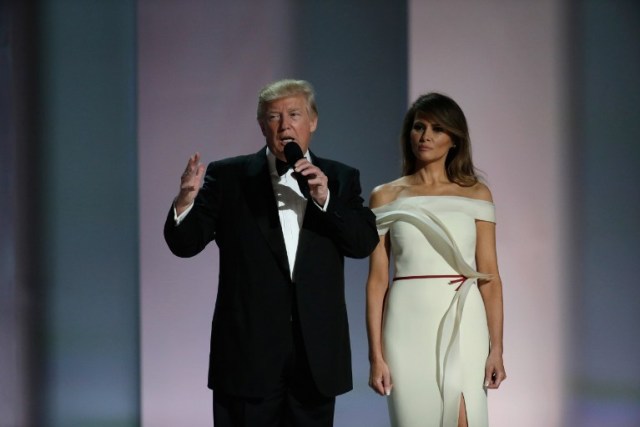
{"x": 318, "y": 181}
{"x": 190, "y": 183}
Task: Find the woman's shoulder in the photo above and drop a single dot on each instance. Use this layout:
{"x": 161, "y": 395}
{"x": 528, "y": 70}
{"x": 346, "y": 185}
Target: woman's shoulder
{"x": 386, "y": 193}
{"x": 478, "y": 191}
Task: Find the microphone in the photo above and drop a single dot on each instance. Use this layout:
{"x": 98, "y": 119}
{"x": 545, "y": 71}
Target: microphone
{"x": 293, "y": 153}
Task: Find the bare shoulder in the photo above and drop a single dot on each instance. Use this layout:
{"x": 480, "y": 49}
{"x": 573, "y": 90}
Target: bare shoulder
{"x": 480, "y": 191}
{"x": 386, "y": 193}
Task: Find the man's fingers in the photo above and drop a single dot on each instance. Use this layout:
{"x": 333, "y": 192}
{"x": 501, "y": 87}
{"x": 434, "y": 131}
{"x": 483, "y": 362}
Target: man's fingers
{"x": 304, "y": 167}
{"x": 194, "y": 169}
{"x": 315, "y": 176}
{"x": 193, "y": 160}
{"x": 193, "y": 165}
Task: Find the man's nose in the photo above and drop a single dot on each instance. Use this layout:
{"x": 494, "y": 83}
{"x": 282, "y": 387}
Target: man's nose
{"x": 284, "y": 123}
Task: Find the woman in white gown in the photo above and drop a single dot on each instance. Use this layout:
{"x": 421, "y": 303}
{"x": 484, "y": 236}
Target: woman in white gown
{"x": 435, "y": 332}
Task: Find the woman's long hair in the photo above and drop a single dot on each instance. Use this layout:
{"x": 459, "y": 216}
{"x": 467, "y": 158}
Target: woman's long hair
{"x": 444, "y": 111}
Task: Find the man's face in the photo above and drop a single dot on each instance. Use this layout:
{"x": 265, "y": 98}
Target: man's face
{"x": 288, "y": 119}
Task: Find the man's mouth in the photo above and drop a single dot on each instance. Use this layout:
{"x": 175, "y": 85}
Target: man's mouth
{"x": 287, "y": 140}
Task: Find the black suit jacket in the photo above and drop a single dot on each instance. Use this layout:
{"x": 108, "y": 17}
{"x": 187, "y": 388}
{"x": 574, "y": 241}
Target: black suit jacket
{"x": 236, "y": 207}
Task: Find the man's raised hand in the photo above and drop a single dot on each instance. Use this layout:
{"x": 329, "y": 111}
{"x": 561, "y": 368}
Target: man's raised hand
{"x": 190, "y": 183}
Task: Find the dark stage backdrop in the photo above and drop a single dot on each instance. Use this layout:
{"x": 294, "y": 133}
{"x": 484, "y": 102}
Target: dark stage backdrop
{"x": 101, "y": 103}
{"x": 69, "y": 354}
{"x": 603, "y": 359}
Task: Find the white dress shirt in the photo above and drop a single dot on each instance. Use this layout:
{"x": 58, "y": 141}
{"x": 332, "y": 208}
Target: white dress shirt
{"x": 291, "y": 206}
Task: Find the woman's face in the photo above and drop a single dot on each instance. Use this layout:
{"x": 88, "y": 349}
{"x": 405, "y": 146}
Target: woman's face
{"x": 429, "y": 142}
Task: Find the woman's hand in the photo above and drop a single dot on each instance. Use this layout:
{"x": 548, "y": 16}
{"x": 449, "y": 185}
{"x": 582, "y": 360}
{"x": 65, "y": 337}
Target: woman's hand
{"x": 494, "y": 372}
{"x": 380, "y": 378}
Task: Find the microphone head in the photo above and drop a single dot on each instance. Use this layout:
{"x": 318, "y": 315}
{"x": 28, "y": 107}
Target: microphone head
{"x": 292, "y": 152}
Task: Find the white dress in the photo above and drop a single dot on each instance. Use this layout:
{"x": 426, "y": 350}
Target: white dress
{"x": 435, "y": 334}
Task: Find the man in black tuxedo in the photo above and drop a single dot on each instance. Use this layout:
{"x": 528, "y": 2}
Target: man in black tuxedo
{"x": 280, "y": 349}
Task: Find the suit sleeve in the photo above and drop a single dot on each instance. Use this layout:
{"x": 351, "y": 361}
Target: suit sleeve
{"x": 198, "y": 228}
{"x": 352, "y": 226}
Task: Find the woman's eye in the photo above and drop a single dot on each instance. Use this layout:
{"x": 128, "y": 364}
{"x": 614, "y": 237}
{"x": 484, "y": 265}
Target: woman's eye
{"x": 418, "y": 127}
{"x": 438, "y": 129}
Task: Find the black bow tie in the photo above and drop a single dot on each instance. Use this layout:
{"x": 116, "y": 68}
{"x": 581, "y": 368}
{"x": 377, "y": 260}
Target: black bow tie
{"x": 281, "y": 167}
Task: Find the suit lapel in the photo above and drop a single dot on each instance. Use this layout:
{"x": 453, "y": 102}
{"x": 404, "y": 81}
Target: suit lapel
{"x": 262, "y": 202}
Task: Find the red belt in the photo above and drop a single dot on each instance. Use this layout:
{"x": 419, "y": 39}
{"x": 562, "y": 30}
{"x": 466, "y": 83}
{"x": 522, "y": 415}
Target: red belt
{"x": 457, "y": 278}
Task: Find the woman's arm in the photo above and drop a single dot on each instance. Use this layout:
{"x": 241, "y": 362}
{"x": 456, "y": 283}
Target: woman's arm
{"x": 491, "y": 291}
{"x": 377, "y": 287}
